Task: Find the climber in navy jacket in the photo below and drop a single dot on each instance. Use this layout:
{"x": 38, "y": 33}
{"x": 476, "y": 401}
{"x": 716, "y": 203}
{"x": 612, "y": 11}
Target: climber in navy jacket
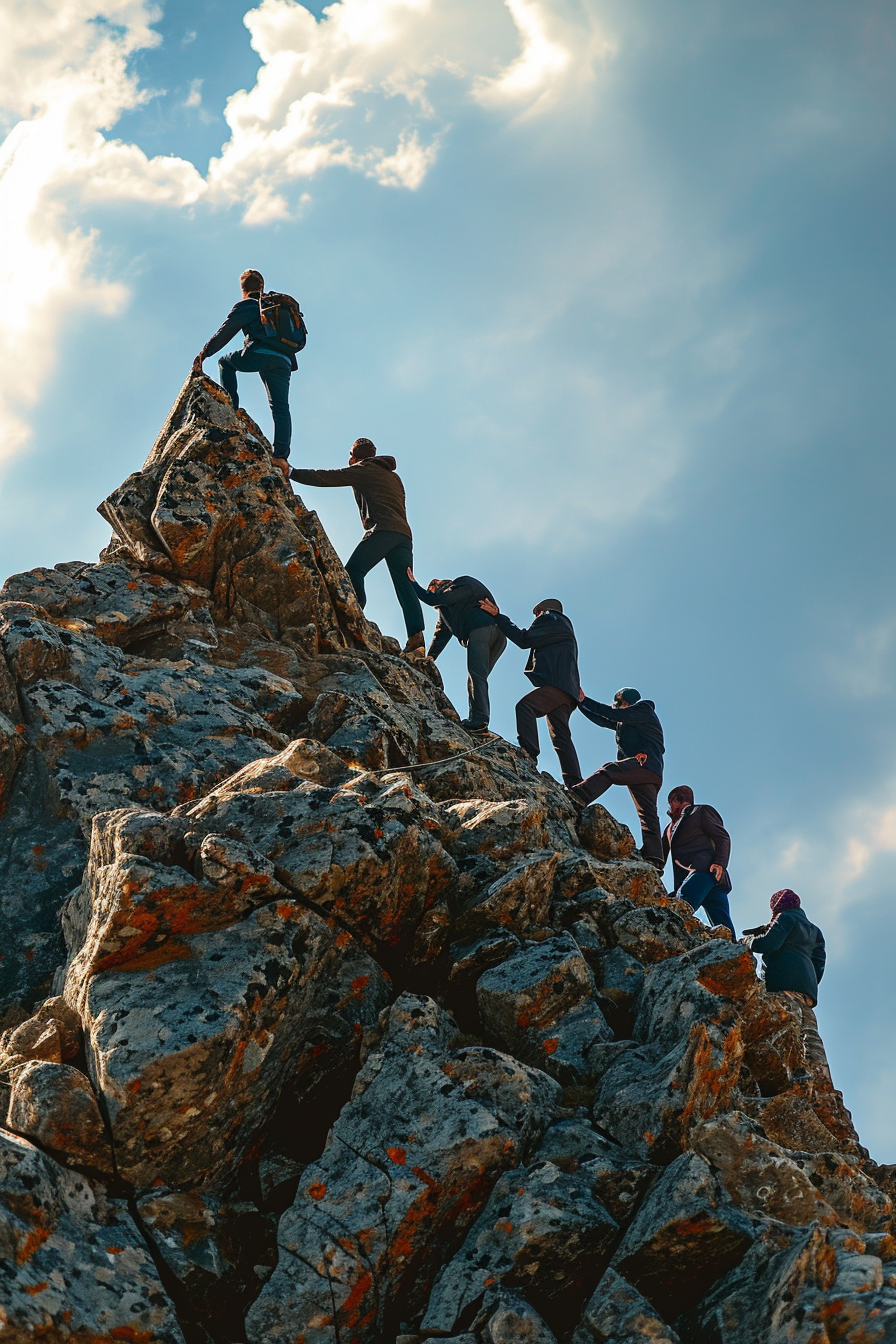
{"x": 638, "y": 764}
{"x": 461, "y": 616}
{"x": 553, "y": 669}
{"x": 258, "y": 355}
{"x": 793, "y": 957}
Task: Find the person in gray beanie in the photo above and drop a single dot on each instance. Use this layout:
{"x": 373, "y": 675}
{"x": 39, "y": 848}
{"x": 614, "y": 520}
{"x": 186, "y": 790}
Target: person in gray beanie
{"x": 553, "y": 670}
{"x": 638, "y": 764}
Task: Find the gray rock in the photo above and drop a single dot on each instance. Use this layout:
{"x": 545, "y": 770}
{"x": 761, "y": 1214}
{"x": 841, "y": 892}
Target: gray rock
{"x": 542, "y": 1231}
{"x": 513, "y": 1321}
{"x": 540, "y": 1004}
{"x": 54, "y": 1105}
{"x": 649, "y": 1102}
{"x": 407, "y": 1168}
{"x": 74, "y": 1264}
{"x": 519, "y": 901}
{"x": 617, "y": 1314}
{"x": 685, "y": 1236}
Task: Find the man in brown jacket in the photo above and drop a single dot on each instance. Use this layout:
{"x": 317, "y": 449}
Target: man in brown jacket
{"x": 700, "y": 848}
{"x": 379, "y": 495}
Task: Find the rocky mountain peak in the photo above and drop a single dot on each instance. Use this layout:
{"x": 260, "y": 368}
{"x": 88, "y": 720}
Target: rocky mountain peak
{"x": 326, "y": 1022}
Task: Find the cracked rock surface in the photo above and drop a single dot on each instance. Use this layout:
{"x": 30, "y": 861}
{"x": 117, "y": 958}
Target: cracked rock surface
{"x": 325, "y": 1022}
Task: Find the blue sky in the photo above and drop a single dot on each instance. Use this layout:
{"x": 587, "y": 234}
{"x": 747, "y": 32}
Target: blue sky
{"x": 614, "y": 283}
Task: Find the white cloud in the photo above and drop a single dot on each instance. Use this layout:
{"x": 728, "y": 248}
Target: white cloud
{"x": 373, "y": 84}
{"x": 63, "y": 70}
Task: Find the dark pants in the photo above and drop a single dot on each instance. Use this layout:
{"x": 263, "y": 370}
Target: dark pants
{"x": 556, "y": 706}
{"x": 274, "y": 373}
{"x": 702, "y": 889}
{"x": 484, "y": 647}
{"x": 398, "y": 552}
{"x": 643, "y": 785}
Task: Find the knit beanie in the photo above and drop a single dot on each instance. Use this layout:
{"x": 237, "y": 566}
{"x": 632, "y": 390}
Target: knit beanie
{"x": 628, "y": 694}
{"x": 549, "y": 604}
{"x": 784, "y": 900}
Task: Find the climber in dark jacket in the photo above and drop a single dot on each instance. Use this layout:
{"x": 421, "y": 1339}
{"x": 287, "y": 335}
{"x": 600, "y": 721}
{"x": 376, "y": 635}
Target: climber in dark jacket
{"x": 460, "y": 615}
{"x": 638, "y": 764}
{"x": 793, "y": 957}
{"x": 553, "y": 669}
{"x": 379, "y": 495}
{"x": 259, "y": 356}
{"x": 700, "y": 848}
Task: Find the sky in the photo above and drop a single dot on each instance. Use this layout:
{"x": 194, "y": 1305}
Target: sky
{"x": 612, "y": 280}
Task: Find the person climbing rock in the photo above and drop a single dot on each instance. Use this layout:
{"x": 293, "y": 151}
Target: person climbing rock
{"x": 638, "y": 764}
{"x": 460, "y": 615}
{"x": 553, "y": 669}
{"x": 379, "y": 494}
{"x": 700, "y": 848}
{"x": 265, "y": 352}
{"x": 793, "y": 960}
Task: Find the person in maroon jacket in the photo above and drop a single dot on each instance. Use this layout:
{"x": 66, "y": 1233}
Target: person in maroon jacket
{"x": 700, "y": 848}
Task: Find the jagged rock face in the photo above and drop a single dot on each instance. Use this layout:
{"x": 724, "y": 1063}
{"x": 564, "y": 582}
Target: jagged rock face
{"x": 328, "y": 1023}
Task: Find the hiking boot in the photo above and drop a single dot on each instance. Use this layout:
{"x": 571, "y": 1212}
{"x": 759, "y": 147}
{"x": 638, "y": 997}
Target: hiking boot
{"x": 658, "y": 864}
{"x": 574, "y": 796}
{"x": 480, "y": 729}
{"x": 414, "y": 643}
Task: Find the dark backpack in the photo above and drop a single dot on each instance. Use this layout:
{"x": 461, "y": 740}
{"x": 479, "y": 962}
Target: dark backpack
{"x": 282, "y": 321}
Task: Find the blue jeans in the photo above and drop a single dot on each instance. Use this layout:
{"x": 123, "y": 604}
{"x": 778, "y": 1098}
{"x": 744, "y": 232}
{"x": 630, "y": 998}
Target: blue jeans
{"x": 702, "y": 889}
{"x": 274, "y": 371}
{"x": 398, "y": 552}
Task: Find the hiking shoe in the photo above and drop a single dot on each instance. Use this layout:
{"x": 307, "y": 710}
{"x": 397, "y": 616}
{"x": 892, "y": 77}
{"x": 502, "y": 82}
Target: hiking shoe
{"x": 574, "y": 796}
{"x": 415, "y": 642}
{"x": 477, "y": 729}
{"x": 658, "y": 864}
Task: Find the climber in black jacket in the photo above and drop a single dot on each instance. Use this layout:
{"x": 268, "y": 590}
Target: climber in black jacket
{"x": 553, "y": 669}
{"x": 460, "y": 615}
{"x": 793, "y": 957}
{"x": 638, "y": 764}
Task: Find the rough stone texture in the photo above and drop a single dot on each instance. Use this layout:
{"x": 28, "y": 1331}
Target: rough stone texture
{"x": 319, "y": 951}
{"x": 686, "y": 1235}
{"x": 55, "y": 1106}
{"x": 407, "y": 1167}
{"x": 540, "y": 1004}
{"x": 542, "y": 1230}
{"x": 618, "y": 1314}
{"x": 73, "y": 1265}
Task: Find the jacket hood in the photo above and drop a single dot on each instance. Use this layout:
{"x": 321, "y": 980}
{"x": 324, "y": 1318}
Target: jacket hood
{"x": 388, "y": 463}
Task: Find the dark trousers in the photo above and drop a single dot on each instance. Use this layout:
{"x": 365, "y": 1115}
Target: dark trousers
{"x": 643, "y": 785}
{"x": 556, "y": 706}
{"x": 274, "y": 373}
{"x": 398, "y": 552}
{"x": 702, "y": 889}
{"x": 484, "y": 647}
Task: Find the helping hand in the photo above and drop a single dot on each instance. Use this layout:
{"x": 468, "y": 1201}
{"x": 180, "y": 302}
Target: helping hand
{"x": 581, "y": 694}
{"x": 488, "y": 606}
{"x": 282, "y": 465}
{"x": 411, "y": 575}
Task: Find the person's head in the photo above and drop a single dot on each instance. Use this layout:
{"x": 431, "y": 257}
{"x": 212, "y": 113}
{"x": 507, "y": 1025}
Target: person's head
{"x": 437, "y": 585}
{"x": 626, "y": 697}
{"x": 549, "y": 604}
{"x": 251, "y": 282}
{"x": 361, "y": 450}
{"x": 682, "y": 796}
{"x": 785, "y": 899}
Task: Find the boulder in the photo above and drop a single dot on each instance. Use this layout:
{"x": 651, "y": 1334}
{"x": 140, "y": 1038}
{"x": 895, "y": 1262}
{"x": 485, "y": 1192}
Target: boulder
{"x": 685, "y": 1236}
{"x": 191, "y": 1045}
{"x": 540, "y": 1004}
{"x": 513, "y": 1321}
{"x": 74, "y": 1264}
{"x": 408, "y": 1166}
{"x": 54, "y": 1105}
{"x": 648, "y": 1102}
{"x": 602, "y": 835}
{"x": 542, "y": 1231}
{"x": 616, "y": 1313}
{"x": 519, "y": 901}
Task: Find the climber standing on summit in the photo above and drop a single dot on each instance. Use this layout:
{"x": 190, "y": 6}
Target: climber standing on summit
{"x": 379, "y": 495}
{"x": 553, "y": 669}
{"x": 638, "y": 764}
{"x": 274, "y": 331}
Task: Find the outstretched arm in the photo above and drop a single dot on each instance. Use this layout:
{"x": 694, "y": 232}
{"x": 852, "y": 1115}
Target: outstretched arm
{"x": 338, "y": 476}
{"x": 431, "y": 599}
